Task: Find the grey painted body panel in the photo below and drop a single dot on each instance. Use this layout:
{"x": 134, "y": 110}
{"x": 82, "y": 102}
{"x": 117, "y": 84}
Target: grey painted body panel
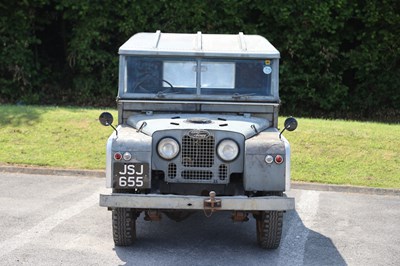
{"x": 258, "y": 175}
{"x": 198, "y": 106}
{"x": 287, "y": 163}
{"x": 208, "y": 45}
{"x": 267, "y": 111}
{"x": 138, "y": 144}
{"x": 129, "y": 139}
{"x": 248, "y": 127}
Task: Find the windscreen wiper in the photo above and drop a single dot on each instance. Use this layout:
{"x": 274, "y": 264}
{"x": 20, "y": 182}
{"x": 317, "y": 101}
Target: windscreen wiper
{"x": 238, "y": 95}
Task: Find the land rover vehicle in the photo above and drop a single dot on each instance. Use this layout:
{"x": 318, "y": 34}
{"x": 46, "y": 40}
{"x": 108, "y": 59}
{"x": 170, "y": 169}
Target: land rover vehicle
{"x": 197, "y": 131}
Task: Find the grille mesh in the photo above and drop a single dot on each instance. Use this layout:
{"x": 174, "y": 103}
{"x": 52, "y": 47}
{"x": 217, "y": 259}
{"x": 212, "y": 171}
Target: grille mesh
{"x": 223, "y": 172}
{"x": 197, "y": 175}
{"x": 172, "y": 170}
{"x": 198, "y": 161}
{"x": 198, "y": 152}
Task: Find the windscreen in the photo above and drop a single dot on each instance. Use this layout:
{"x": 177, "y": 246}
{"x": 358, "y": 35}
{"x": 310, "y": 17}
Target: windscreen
{"x": 149, "y": 75}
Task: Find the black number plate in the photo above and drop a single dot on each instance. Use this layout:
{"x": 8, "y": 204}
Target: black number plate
{"x": 131, "y": 175}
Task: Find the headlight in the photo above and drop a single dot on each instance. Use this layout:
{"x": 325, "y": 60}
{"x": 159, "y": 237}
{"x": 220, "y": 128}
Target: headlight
{"x": 228, "y": 150}
{"x": 168, "y": 148}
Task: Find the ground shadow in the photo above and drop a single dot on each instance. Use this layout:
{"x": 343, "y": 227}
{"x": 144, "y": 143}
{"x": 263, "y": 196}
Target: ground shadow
{"x": 218, "y": 241}
{"x": 16, "y": 115}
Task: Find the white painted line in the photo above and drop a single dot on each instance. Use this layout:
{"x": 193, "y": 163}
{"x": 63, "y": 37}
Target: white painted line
{"x": 47, "y": 225}
{"x": 293, "y": 246}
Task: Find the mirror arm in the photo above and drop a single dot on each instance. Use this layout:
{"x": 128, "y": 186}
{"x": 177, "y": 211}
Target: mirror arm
{"x": 280, "y": 134}
{"x": 116, "y": 131}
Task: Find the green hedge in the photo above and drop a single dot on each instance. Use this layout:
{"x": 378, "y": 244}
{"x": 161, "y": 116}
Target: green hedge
{"x": 339, "y": 58}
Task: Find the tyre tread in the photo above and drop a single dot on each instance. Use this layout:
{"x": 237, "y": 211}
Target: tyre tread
{"x": 124, "y": 226}
{"x": 269, "y": 229}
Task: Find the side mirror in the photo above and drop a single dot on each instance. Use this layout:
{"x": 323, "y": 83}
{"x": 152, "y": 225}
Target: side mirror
{"x": 106, "y": 119}
{"x": 290, "y": 125}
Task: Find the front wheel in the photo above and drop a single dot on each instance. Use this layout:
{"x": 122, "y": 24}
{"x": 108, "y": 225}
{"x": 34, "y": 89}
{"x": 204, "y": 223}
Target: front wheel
{"x": 269, "y": 229}
{"x": 124, "y": 226}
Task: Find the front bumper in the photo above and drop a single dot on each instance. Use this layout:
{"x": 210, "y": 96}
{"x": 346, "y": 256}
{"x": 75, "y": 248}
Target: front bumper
{"x": 179, "y": 202}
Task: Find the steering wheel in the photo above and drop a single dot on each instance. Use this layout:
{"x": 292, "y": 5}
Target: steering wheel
{"x": 146, "y": 90}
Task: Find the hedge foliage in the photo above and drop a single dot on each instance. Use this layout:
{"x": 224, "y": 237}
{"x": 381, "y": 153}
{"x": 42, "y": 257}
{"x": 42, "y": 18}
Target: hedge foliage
{"x": 338, "y": 58}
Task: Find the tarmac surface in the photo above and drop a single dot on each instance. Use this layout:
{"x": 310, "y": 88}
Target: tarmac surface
{"x": 56, "y": 220}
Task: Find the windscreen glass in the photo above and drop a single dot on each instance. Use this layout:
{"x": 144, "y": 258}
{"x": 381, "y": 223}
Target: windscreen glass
{"x": 217, "y": 75}
{"x": 150, "y": 75}
{"x": 180, "y": 74}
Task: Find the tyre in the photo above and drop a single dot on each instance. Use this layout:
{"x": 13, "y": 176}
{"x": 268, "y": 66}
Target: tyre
{"x": 269, "y": 229}
{"x": 124, "y": 226}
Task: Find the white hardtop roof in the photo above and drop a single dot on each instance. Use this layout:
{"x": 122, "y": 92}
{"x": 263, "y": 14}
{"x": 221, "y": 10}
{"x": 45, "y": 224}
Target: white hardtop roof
{"x": 198, "y": 44}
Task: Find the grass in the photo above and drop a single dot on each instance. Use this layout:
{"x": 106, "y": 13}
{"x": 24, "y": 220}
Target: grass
{"x": 344, "y": 152}
{"x": 324, "y": 151}
{"x": 53, "y": 137}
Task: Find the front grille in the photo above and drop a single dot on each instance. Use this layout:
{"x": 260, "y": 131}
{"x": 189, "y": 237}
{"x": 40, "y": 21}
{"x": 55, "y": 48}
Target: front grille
{"x": 172, "y": 170}
{"x": 197, "y": 162}
{"x": 223, "y": 172}
{"x": 197, "y": 175}
{"x": 198, "y": 152}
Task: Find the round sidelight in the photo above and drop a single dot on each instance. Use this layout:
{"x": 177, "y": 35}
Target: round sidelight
{"x": 127, "y": 156}
{"x": 269, "y": 159}
{"x": 168, "y": 148}
{"x": 228, "y": 150}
